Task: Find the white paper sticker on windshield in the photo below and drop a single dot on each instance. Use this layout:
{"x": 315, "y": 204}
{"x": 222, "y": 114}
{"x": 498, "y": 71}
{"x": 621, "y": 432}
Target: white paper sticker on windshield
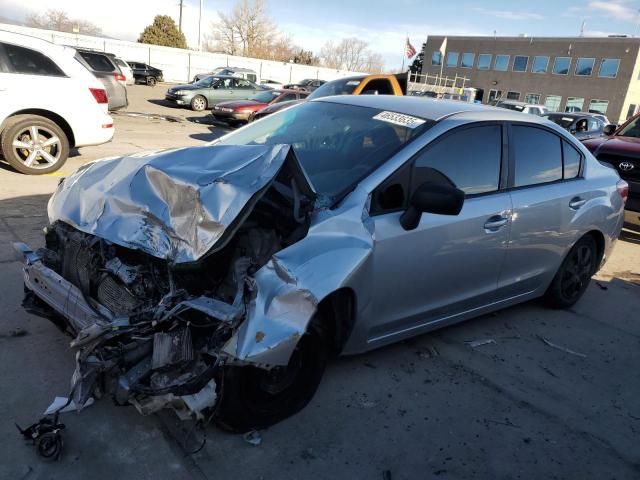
{"x": 399, "y": 119}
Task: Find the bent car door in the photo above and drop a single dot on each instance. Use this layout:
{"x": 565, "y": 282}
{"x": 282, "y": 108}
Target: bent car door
{"x": 448, "y": 265}
{"x": 547, "y": 193}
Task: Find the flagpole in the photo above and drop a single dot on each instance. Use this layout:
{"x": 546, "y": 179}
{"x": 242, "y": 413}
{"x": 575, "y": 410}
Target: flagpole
{"x": 404, "y": 52}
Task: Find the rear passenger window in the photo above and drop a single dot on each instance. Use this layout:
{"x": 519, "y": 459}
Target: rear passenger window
{"x": 538, "y": 156}
{"x": 470, "y": 158}
{"x": 572, "y": 159}
{"x": 27, "y": 61}
{"x": 99, "y": 63}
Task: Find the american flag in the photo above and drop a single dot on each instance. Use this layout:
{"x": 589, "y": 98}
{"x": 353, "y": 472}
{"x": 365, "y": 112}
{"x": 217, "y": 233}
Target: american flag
{"x": 409, "y": 50}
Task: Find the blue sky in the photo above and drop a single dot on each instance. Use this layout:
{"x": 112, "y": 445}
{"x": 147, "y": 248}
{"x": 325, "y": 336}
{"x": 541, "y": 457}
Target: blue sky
{"x": 382, "y": 23}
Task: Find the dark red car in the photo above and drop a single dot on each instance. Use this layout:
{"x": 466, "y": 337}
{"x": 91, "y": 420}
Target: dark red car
{"x": 621, "y": 150}
{"x": 239, "y": 110}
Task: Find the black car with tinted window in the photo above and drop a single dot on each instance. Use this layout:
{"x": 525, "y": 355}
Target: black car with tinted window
{"x": 146, "y": 74}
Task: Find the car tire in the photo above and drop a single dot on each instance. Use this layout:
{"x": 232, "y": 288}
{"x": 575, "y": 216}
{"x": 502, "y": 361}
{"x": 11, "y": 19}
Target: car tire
{"x": 151, "y": 81}
{"x": 574, "y": 275}
{"x": 47, "y": 153}
{"x": 198, "y": 103}
{"x": 254, "y": 398}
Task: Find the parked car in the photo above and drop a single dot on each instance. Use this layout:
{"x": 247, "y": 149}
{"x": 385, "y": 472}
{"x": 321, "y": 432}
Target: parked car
{"x": 222, "y": 276}
{"x": 211, "y": 90}
{"x": 272, "y": 84}
{"x": 49, "y": 103}
{"x": 105, "y": 69}
{"x": 146, "y": 74}
{"x": 356, "y": 85}
{"x": 245, "y": 73}
{"x": 243, "y": 110}
{"x": 582, "y": 125}
{"x": 522, "y": 107}
{"x": 621, "y": 150}
{"x": 126, "y": 71}
{"x": 308, "y": 84}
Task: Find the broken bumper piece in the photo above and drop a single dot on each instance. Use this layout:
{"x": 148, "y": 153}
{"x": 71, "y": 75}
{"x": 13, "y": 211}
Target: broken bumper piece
{"x": 151, "y": 365}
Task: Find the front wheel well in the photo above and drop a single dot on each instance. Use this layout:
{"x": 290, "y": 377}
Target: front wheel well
{"x": 339, "y": 311}
{"x": 54, "y": 117}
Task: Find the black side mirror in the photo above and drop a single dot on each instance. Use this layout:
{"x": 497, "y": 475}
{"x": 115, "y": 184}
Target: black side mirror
{"x": 430, "y": 197}
{"x": 609, "y": 129}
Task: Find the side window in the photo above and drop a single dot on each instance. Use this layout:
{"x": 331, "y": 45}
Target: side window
{"x": 99, "y": 63}
{"x": 470, "y": 157}
{"x": 241, "y": 83}
{"x": 572, "y": 159}
{"x": 378, "y": 87}
{"x": 594, "y": 125}
{"x": 27, "y": 61}
{"x": 538, "y": 156}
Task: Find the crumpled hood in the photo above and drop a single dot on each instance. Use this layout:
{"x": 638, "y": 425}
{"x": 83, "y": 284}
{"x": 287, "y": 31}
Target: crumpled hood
{"x": 175, "y": 205}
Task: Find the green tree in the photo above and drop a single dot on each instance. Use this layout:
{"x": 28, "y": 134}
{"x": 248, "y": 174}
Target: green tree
{"x": 163, "y": 31}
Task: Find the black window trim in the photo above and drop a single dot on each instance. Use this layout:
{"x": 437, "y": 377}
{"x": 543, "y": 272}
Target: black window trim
{"x": 10, "y": 69}
{"x": 512, "y": 158}
{"x": 504, "y": 164}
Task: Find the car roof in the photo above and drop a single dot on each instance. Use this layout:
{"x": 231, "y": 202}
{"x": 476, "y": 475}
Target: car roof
{"x": 427, "y": 108}
{"x": 40, "y": 44}
{"x": 569, "y": 114}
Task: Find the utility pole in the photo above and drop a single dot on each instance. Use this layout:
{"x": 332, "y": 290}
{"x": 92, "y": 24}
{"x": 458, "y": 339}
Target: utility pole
{"x": 180, "y": 21}
{"x": 200, "y": 27}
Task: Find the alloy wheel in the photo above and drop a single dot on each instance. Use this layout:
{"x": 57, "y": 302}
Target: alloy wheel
{"x": 577, "y": 272}
{"x": 37, "y": 147}
{"x": 198, "y": 104}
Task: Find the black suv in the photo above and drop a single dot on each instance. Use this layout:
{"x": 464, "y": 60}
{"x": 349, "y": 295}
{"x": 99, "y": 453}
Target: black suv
{"x": 143, "y": 73}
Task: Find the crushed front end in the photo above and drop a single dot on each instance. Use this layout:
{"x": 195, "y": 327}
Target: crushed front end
{"x": 149, "y": 330}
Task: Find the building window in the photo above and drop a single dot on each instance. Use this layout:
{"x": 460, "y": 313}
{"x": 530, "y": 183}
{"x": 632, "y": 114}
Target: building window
{"x": 561, "y": 65}
{"x": 513, "y": 95}
{"x": 452, "y": 59}
{"x": 609, "y": 67}
{"x": 598, "y": 106}
{"x": 574, "y": 104}
{"x": 467, "y": 60}
{"x": 502, "y": 63}
{"x": 484, "y": 61}
{"x": 584, "y": 66}
{"x": 552, "y": 102}
{"x": 633, "y": 109}
{"x": 494, "y": 95}
{"x": 540, "y": 64}
{"x": 436, "y": 59}
{"x": 520, "y": 63}
{"x": 532, "y": 98}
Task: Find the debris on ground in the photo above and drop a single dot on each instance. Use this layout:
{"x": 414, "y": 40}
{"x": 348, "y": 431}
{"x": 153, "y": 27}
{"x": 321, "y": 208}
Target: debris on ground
{"x": 602, "y": 287}
{"x": 480, "y": 342}
{"x": 386, "y": 475}
{"x": 428, "y": 352}
{"x": 15, "y": 332}
{"x": 45, "y": 436}
{"x": 559, "y": 347}
{"x": 253, "y": 437}
{"x": 63, "y": 405}
{"x": 149, "y": 116}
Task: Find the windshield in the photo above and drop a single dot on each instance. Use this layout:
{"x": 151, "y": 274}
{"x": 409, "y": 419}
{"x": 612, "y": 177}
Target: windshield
{"x": 203, "y": 83}
{"x": 511, "y": 106}
{"x": 632, "y": 129}
{"x": 336, "y": 87}
{"x": 265, "y": 97}
{"x": 337, "y": 145}
{"x": 564, "y": 122}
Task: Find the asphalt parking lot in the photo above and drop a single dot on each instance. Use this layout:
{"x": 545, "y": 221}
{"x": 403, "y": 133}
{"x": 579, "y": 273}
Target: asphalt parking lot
{"x": 527, "y": 392}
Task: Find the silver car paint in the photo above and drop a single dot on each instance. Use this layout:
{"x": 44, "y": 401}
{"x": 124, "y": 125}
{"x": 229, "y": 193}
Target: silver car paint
{"x": 447, "y": 270}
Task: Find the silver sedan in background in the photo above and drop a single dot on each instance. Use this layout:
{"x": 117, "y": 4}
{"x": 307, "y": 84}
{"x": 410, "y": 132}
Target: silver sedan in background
{"x": 341, "y": 224}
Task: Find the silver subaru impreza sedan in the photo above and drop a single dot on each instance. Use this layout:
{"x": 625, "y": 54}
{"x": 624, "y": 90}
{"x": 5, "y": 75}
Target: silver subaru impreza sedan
{"x": 216, "y": 280}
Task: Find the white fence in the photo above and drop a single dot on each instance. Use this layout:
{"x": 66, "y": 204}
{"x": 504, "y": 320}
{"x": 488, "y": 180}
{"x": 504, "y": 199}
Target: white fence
{"x": 180, "y": 65}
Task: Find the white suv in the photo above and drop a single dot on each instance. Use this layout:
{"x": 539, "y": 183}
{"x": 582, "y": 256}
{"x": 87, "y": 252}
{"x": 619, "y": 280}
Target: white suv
{"x": 49, "y": 103}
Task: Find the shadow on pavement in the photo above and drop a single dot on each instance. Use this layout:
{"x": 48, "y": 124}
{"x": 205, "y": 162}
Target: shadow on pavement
{"x": 163, "y": 103}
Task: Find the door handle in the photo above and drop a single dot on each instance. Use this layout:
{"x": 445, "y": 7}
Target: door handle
{"x": 576, "y": 203}
{"x": 495, "y": 223}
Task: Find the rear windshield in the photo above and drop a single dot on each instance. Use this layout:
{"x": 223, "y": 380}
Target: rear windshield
{"x": 98, "y": 62}
{"x": 121, "y": 63}
{"x": 336, "y": 87}
{"x": 337, "y": 145}
{"x": 564, "y": 122}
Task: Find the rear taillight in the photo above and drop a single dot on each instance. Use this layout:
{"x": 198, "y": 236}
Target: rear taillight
{"x": 623, "y": 190}
{"x": 100, "y": 94}
{"x": 120, "y": 77}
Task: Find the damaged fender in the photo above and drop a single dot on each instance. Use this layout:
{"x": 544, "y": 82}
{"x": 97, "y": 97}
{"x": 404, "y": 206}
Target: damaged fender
{"x": 289, "y": 288}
